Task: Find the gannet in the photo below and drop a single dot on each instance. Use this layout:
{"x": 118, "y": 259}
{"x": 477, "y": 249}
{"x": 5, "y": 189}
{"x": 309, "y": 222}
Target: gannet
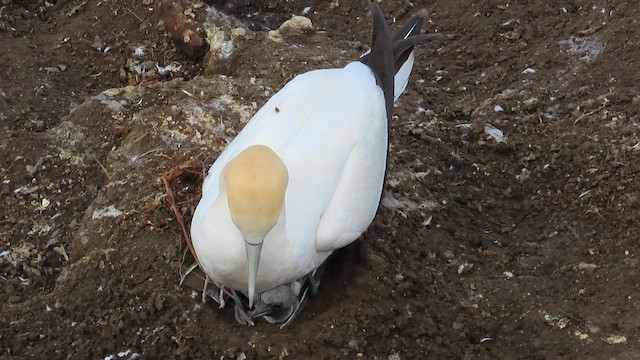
{"x": 303, "y": 178}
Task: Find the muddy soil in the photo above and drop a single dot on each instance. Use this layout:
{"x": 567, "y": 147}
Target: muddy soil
{"x": 509, "y": 227}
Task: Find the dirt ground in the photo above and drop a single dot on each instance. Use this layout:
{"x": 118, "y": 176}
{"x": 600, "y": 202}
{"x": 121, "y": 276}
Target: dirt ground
{"x": 509, "y": 227}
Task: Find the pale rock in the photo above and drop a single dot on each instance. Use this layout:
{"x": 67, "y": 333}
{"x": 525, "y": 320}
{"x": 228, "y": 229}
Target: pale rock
{"x": 274, "y": 35}
{"x": 296, "y": 25}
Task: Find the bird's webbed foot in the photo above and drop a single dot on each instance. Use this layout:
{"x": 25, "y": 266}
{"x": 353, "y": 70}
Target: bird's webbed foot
{"x": 241, "y": 312}
{"x": 283, "y": 303}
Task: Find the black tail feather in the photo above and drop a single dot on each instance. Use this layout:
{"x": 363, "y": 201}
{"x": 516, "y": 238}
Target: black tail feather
{"x": 409, "y": 30}
{"x": 388, "y": 54}
{"x": 380, "y": 59}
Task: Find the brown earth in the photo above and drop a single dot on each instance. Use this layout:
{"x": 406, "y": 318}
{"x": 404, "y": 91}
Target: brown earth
{"x": 527, "y": 248}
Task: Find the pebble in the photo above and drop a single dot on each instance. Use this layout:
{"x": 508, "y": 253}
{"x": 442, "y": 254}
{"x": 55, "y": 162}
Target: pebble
{"x": 238, "y": 32}
{"x": 464, "y": 268}
{"x": 586, "y": 266}
{"x": 530, "y": 103}
{"x": 230, "y": 352}
{"x": 159, "y": 303}
{"x": 296, "y": 25}
{"x": 274, "y": 35}
{"x": 615, "y": 339}
{"x": 353, "y": 344}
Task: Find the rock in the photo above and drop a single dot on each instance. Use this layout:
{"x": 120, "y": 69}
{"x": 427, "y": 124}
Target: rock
{"x": 296, "y": 26}
{"x": 615, "y": 339}
{"x": 530, "y": 104}
{"x": 274, "y": 35}
{"x": 238, "y": 32}
{"x": 183, "y": 31}
{"x": 353, "y": 344}
{"x": 464, "y": 268}
{"x": 587, "y": 266}
{"x": 230, "y": 352}
{"x": 159, "y": 303}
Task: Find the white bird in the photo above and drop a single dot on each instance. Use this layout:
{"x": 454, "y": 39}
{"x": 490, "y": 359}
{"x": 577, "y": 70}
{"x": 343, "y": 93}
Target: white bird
{"x": 303, "y": 178}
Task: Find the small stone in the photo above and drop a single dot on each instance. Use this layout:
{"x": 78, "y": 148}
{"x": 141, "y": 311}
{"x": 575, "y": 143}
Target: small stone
{"x": 159, "y": 303}
{"x": 61, "y": 251}
{"x": 238, "y": 32}
{"x": 183, "y": 30}
{"x": 615, "y": 339}
{"x": 186, "y": 36}
{"x": 296, "y": 25}
{"x": 586, "y": 266}
{"x": 524, "y": 175}
{"x": 464, "y": 268}
{"x": 530, "y": 103}
{"x": 230, "y": 352}
{"x": 98, "y": 44}
{"x": 274, "y": 35}
{"x": 581, "y": 335}
{"x": 353, "y": 344}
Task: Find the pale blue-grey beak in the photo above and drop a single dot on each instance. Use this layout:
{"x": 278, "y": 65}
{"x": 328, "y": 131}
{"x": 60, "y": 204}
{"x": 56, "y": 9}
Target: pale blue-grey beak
{"x": 253, "y": 261}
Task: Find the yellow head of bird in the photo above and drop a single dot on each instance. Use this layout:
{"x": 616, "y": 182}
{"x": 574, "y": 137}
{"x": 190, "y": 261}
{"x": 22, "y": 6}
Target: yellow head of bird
{"x": 256, "y": 182}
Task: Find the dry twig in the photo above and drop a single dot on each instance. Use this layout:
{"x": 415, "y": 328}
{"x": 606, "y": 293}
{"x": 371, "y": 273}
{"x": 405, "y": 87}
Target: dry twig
{"x": 104, "y": 169}
{"x": 168, "y": 178}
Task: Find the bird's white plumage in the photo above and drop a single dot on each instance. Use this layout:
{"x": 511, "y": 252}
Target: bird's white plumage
{"x": 329, "y": 127}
